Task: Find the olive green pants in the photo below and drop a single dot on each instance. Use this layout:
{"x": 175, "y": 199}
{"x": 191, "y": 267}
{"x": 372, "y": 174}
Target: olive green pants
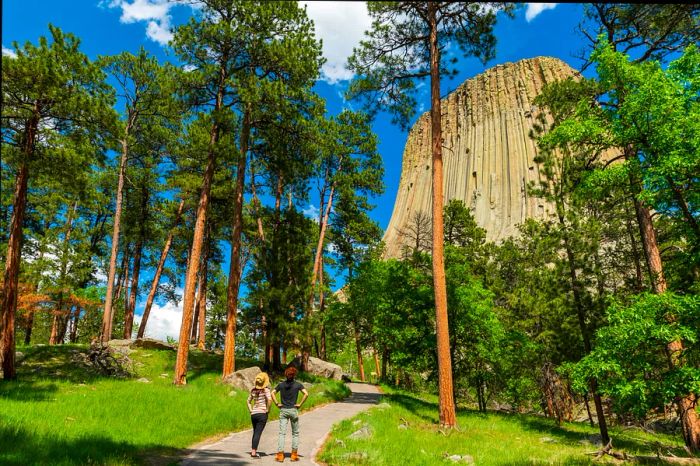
{"x": 288, "y": 414}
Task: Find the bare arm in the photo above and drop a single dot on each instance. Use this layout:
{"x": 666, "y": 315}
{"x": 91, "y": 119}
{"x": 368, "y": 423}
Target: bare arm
{"x": 306, "y": 395}
{"x": 247, "y": 403}
{"x": 274, "y": 398}
{"x": 268, "y": 400}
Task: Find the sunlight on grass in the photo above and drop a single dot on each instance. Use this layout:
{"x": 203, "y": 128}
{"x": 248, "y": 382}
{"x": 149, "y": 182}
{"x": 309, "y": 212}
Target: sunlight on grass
{"x": 59, "y": 413}
{"x": 404, "y": 431}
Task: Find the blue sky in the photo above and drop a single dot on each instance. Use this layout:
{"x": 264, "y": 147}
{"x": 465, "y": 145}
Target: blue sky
{"x": 108, "y": 27}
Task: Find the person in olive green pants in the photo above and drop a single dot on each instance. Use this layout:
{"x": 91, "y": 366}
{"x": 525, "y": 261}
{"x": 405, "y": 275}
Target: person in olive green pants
{"x": 289, "y": 411}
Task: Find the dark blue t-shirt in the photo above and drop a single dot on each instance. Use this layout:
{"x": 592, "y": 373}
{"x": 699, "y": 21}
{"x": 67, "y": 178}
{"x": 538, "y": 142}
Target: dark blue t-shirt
{"x": 289, "y": 391}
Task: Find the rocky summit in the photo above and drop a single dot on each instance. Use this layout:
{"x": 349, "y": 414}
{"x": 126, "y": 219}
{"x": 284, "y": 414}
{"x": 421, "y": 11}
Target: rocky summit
{"x": 488, "y": 154}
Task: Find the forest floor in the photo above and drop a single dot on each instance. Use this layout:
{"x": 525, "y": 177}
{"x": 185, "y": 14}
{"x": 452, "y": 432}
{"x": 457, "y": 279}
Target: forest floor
{"x": 402, "y": 430}
{"x": 59, "y": 412}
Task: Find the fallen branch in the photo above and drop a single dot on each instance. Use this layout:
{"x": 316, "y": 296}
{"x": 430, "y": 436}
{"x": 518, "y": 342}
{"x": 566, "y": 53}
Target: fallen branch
{"x": 608, "y": 450}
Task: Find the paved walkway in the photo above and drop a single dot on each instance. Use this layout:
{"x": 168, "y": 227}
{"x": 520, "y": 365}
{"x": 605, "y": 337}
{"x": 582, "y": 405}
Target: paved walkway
{"x": 314, "y": 427}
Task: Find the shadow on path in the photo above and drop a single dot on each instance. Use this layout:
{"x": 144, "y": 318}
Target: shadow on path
{"x": 315, "y": 425}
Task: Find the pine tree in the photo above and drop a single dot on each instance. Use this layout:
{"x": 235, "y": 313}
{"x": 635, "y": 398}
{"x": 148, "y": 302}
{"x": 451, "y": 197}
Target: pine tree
{"x": 50, "y": 91}
{"x": 405, "y": 44}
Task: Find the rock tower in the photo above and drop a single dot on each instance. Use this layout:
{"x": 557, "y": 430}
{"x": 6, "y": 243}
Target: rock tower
{"x": 488, "y": 155}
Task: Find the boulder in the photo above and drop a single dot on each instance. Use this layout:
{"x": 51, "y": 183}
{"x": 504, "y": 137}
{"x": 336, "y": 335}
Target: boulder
{"x": 151, "y": 343}
{"x": 362, "y": 433}
{"x": 243, "y": 379}
{"x": 320, "y": 368}
{"x": 325, "y": 369}
{"x": 120, "y": 346}
{"x": 460, "y": 458}
{"x": 119, "y": 343}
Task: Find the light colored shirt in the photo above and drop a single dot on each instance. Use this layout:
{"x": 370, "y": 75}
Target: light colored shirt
{"x": 259, "y": 396}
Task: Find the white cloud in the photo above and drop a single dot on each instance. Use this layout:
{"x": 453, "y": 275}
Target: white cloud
{"x": 159, "y": 31}
{"x": 156, "y": 12}
{"x": 311, "y": 212}
{"x": 142, "y": 10}
{"x": 164, "y": 321}
{"x": 534, "y": 9}
{"x": 8, "y": 52}
{"x": 341, "y": 26}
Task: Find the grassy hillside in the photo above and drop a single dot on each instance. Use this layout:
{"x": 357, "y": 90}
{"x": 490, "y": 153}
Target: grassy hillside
{"x": 402, "y": 430}
{"x": 59, "y": 412}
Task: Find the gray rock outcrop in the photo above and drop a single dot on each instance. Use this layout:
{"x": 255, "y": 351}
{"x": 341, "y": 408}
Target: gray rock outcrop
{"x": 325, "y": 369}
{"x": 320, "y": 368}
{"x": 488, "y": 155}
{"x": 243, "y": 379}
{"x": 151, "y": 343}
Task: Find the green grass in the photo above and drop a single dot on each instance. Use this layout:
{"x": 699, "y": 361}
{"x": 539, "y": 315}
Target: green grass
{"x": 490, "y": 439}
{"x": 60, "y": 413}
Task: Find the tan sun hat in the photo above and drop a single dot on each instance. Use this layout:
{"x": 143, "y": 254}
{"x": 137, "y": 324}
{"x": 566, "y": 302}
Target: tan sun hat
{"x": 262, "y": 380}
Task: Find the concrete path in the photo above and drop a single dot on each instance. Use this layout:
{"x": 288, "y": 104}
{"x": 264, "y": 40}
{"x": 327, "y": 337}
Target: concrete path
{"x": 314, "y": 427}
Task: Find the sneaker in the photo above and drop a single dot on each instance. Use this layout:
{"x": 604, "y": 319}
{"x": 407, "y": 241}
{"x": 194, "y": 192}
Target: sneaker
{"x": 280, "y": 457}
{"x": 295, "y": 455}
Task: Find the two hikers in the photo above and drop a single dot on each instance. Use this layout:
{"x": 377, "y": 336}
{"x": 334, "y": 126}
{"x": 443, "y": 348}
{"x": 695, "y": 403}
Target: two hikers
{"x": 260, "y": 397}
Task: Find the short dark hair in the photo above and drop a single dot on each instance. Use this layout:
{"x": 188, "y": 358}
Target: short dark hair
{"x": 290, "y": 372}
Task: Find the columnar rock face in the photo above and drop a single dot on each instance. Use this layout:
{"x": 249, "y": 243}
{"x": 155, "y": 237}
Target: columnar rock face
{"x": 488, "y": 155}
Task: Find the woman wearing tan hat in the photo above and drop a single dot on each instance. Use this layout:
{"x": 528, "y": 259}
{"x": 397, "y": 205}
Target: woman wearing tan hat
{"x": 258, "y": 404}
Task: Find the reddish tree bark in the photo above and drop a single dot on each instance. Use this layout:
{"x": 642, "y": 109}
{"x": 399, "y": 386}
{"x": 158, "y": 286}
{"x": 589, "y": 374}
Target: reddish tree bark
{"x": 11, "y": 277}
{"x": 445, "y": 387}
{"x": 14, "y": 252}
{"x": 159, "y": 272}
{"x": 108, "y": 312}
{"x": 358, "y": 348}
{"x": 376, "y": 362}
{"x": 197, "y": 240}
{"x": 192, "y": 268}
{"x": 200, "y": 310}
{"x": 202, "y": 321}
{"x": 196, "y": 251}
{"x": 234, "y": 276}
{"x": 685, "y": 405}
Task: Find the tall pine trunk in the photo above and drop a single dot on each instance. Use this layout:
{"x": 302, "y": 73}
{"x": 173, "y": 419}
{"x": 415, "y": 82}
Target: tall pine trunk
{"x": 685, "y": 405}
{"x": 358, "y": 349}
{"x": 108, "y": 312}
{"x": 234, "y": 276}
{"x": 129, "y": 315}
{"x": 318, "y": 257}
{"x": 57, "y": 333}
{"x": 193, "y": 266}
{"x": 377, "y": 369}
{"x": 14, "y": 252}
{"x": 11, "y": 277}
{"x": 202, "y": 320}
{"x": 198, "y": 329}
{"x": 198, "y": 237}
{"x": 159, "y": 272}
{"x": 581, "y": 314}
{"x": 28, "y": 328}
{"x": 445, "y": 388}
{"x": 635, "y": 249}
{"x": 74, "y": 326}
